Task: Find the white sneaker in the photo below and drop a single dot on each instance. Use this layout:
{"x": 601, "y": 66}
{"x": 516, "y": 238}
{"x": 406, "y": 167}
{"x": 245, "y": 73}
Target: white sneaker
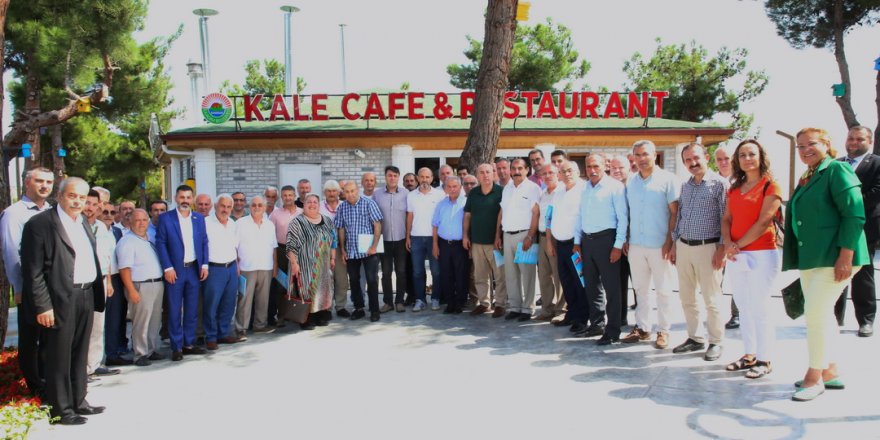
{"x": 435, "y": 304}
{"x": 419, "y": 306}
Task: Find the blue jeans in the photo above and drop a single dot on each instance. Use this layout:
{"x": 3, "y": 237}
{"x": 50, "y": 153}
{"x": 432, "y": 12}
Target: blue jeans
{"x": 420, "y": 248}
{"x": 221, "y": 288}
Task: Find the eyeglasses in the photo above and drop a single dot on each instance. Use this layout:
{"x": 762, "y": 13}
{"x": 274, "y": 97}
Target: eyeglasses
{"x": 470, "y": 184}
{"x": 238, "y": 200}
{"x": 109, "y": 212}
{"x": 257, "y": 205}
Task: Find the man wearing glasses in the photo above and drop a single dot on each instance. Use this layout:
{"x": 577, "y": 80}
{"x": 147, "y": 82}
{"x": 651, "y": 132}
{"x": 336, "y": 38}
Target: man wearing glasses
{"x": 239, "y": 206}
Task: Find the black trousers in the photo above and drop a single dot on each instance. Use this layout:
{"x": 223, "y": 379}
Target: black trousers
{"x": 371, "y": 270}
{"x": 454, "y": 268}
{"x": 115, "y": 325}
{"x": 864, "y": 294}
{"x": 31, "y": 352}
{"x": 572, "y": 289}
{"x": 276, "y": 290}
{"x": 67, "y": 351}
{"x": 394, "y": 259}
{"x": 599, "y": 269}
{"x": 624, "y": 287}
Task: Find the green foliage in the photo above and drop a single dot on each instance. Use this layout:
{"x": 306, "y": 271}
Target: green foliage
{"x": 700, "y": 85}
{"x": 266, "y": 78}
{"x": 543, "y": 57}
{"x": 16, "y": 420}
{"x": 811, "y": 22}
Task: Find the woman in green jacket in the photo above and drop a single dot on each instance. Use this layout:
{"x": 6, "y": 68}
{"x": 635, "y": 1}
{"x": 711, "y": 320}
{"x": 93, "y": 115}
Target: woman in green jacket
{"x": 825, "y": 240}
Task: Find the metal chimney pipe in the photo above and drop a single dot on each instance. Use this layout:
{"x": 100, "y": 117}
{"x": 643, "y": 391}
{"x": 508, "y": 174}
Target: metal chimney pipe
{"x": 203, "y": 15}
{"x": 342, "y": 34}
{"x": 289, "y": 85}
{"x": 194, "y": 71}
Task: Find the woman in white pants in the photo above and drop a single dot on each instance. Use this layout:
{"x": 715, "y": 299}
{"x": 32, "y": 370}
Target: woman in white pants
{"x": 749, "y": 234}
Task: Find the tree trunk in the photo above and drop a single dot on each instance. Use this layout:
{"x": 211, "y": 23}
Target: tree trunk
{"x": 57, "y": 160}
{"x": 849, "y": 115}
{"x": 492, "y": 81}
{"x": 877, "y": 101}
{"x": 4, "y": 181}
{"x": 32, "y": 108}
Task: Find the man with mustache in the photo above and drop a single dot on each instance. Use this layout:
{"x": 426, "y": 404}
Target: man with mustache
{"x": 420, "y": 206}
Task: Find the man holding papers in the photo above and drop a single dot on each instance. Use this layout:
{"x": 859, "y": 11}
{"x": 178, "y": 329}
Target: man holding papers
{"x": 601, "y": 232}
{"x": 258, "y": 265}
{"x": 560, "y": 233}
{"x": 480, "y": 217}
{"x": 359, "y": 223}
{"x": 222, "y": 283}
{"x": 518, "y": 224}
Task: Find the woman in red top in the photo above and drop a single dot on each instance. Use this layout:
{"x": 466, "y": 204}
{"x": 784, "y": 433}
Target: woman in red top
{"x": 749, "y": 235}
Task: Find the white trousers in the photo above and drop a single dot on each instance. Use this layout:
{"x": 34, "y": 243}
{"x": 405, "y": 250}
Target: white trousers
{"x": 645, "y": 265}
{"x": 751, "y": 278}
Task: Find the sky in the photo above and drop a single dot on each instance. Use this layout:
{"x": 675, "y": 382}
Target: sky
{"x": 389, "y": 42}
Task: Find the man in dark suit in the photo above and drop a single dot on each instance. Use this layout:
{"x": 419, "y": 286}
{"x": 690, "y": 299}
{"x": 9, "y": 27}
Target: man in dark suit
{"x": 867, "y": 167}
{"x": 182, "y": 245}
{"x": 62, "y": 289}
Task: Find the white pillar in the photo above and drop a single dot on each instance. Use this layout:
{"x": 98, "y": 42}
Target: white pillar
{"x": 205, "y": 161}
{"x": 402, "y": 157}
{"x": 174, "y": 175}
{"x": 681, "y": 170}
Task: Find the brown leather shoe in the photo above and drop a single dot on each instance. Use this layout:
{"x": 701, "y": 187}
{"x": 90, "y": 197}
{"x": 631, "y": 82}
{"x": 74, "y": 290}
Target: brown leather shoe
{"x": 211, "y": 345}
{"x": 636, "y": 335}
{"x": 228, "y": 340}
{"x": 662, "y": 341}
{"x": 499, "y": 312}
{"x": 479, "y": 310}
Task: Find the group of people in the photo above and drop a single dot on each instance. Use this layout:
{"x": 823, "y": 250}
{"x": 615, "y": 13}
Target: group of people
{"x": 209, "y": 271}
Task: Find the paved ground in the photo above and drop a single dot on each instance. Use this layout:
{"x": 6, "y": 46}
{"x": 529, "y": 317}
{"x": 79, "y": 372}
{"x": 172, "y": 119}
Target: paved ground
{"x": 429, "y": 375}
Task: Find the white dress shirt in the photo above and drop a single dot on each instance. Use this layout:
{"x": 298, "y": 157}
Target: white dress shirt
{"x": 422, "y": 206}
{"x": 186, "y": 232}
{"x": 11, "y": 226}
{"x": 256, "y": 244}
{"x": 105, "y": 247}
{"x": 566, "y": 206}
{"x": 544, "y": 203}
{"x": 222, "y": 240}
{"x": 516, "y": 205}
{"x": 84, "y": 269}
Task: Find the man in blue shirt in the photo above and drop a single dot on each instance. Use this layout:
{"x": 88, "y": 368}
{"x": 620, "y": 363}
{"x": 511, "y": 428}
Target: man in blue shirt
{"x": 600, "y": 231}
{"x": 447, "y": 225}
{"x": 359, "y": 216}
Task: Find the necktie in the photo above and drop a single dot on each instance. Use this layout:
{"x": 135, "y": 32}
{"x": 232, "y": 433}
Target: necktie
{"x": 851, "y": 162}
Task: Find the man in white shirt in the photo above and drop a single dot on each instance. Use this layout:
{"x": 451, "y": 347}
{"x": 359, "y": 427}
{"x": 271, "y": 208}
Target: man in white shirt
{"x": 420, "y": 206}
{"x": 221, "y": 286}
{"x": 552, "y": 300}
{"x": 270, "y": 197}
{"x": 141, "y": 275}
{"x": 258, "y": 265}
{"x": 566, "y": 205}
{"x": 518, "y": 224}
{"x": 105, "y": 247}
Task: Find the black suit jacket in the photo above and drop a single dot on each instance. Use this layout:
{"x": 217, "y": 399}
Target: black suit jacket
{"x": 47, "y": 260}
{"x": 868, "y": 173}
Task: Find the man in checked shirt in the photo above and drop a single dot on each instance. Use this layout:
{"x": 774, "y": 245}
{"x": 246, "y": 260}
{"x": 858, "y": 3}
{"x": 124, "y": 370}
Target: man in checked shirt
{"x": 697, "y": 238}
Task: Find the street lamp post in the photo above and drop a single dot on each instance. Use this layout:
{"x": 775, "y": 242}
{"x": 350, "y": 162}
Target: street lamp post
{"x": 289, "y": 85}
{"x": 342, "y": 35}
{"x": 791, "y": 143}
{"x": 203, "y": 15}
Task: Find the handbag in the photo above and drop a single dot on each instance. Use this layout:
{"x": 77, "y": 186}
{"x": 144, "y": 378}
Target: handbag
{"x": 793, "y": 299}
{"x": 293, "y": 307}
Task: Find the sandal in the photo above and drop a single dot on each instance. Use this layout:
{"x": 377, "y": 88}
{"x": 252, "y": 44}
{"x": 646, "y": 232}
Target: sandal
{"x": 741, "y": 364}
{"x": 761, "y": 369}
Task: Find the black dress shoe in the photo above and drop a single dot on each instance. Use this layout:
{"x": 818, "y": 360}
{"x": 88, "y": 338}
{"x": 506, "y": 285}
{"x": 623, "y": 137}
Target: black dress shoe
{"x": 104, "y": 371}
{"x": 200, "y": 340}
{"x": 155, "y": 356}
{"x": 562, "y": 323}
{"x": 733, "y": 323}
{"x": 608, "y": 340}
{"x": 358, "y": 314}
{"x": 524, "y": 317}
{"x": 342, "y": 313}
{"x": 71, "y": 420}
{"x": 593, "y": 330}
{"x": 308, "y": 325}
{"x": 194, "y": 350}
{"x": 449, "y": 310}
{"x": 866, "y": 330}
{"x": 458, "y": 311}
{"x": 176, "y": 356}
{"x": 688, "y": 346}
{"x": 578, "y": 327}
{"x": 511, "y": 316}
{"x": 116, "y": 361}
{"x": 90, "y": 410}
{"x": 374, "y": 316}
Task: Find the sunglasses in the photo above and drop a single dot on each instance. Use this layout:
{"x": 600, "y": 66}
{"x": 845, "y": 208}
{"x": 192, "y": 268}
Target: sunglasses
{"x": 109, "y": 212}
{"x": 237, "y": 200}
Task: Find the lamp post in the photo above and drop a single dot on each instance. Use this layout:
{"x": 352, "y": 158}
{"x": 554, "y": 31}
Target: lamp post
{"x": 203, "y": 15}
{"x": 342, "y": 35}
{"x": 289, "y": 84}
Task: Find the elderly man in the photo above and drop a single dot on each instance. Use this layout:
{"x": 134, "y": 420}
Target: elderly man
{"x": 443, "y": 172}
{"x": 281, "y": 218}
{"x": 536, "y": 160}
{"x": 359, "y": 225}
{"x": 725, "y": 168}
{"x": 502, "y": 171}
{"x": 859, "y": 142}
{"x": 303, "y": 188}
{"x": 203, "y": 205}
{"x": 479, "y": 226}
{"x": 105, "y": 247}
{"x": 157, "y": 208}
{"x": 652, "y": 194}
{"x": 182, "y": 245}
{"x": 31, "y": 344}
{"x": 619, "y": 170}
{"x": 447, "y": 245}
{"x": 391, "y": 199}
{"x": 63, "y": 286}
{"x": 517, "y": 226}
{"x": 368, "y": 183}
{"x": 600, "y": 233}
{"x": 270, "y": 199}
{"x": 420, "y": 205}
{"x": 697, "y": 237}
{"x": 141, "y": 275}
{"x": 560, "y": 232}
{"x": 221, "y": 286}
{"x": 469, "y": 182}
{"x": 552, "y": 299}
{"x": 239, "y": 205}
{"x": 329, "y": 207}
{"x": 258, "y": 264}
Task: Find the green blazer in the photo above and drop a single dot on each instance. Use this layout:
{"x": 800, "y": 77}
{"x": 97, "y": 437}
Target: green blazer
{"x": 823, "y": 216}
